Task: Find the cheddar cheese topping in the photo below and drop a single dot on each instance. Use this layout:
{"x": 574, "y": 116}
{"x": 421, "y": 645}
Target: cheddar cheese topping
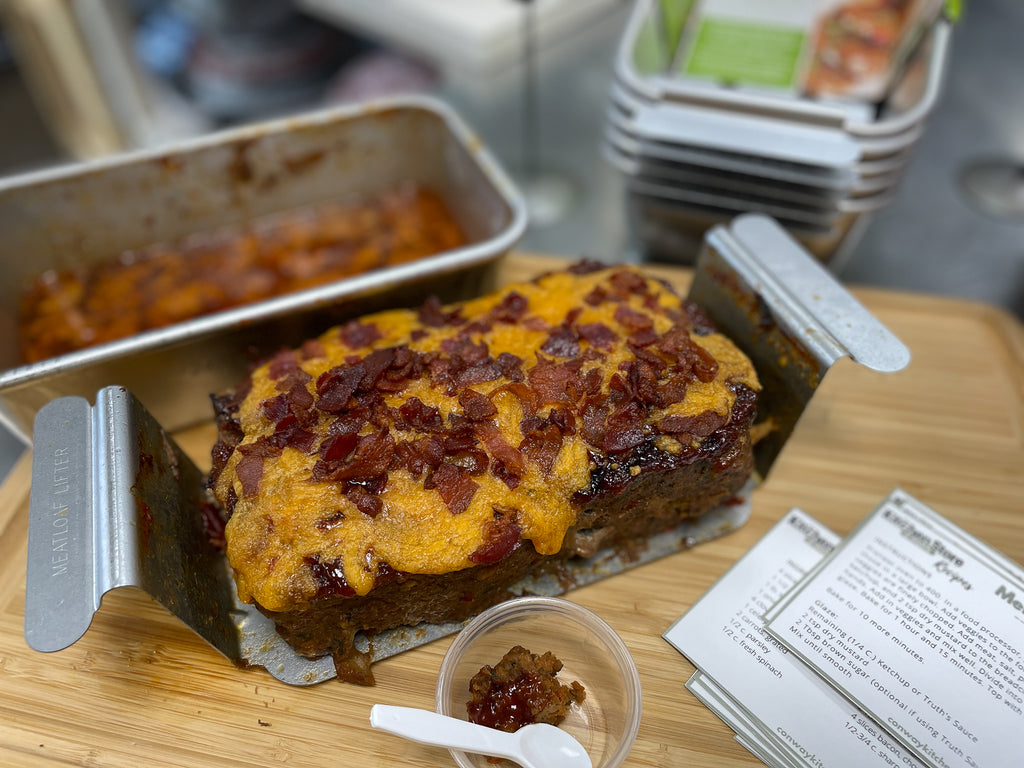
{"x": 428, "y": 441}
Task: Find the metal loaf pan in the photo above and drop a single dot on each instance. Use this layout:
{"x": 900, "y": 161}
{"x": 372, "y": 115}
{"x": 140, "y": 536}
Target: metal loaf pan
{"x": 83, "y": 214}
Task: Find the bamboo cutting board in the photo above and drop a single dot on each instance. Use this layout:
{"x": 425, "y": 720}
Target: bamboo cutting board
{"x": 141, "y": 689}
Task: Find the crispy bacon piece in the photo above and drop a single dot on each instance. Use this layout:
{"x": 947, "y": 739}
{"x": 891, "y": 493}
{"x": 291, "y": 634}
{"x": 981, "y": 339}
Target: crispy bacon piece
{"x": 454, "y": 484}
{"x": 417, "y": 415}
{"x": 281, "y": 363}
{"x": 432, "y": 314}
{"x": 460, "y": 435}
{"x": 626, "y": 283}
{"x": 338, "y": 447}
{"x": 356, "y": 334}
{"x": 368, "y": 503}
{"x": 348, "y": 422}
{"x": 502, "y": 537}
{"x": 643, "y": 381}
{"x": 556, "y": 382}
{"x": 585, "y": 266}
{"x": 219, "y": 455}
{"x": 672, "y": 389}
{"x": 563, "y": 341}
{"x": 334, "y": 519}
{"x": 249, "y": 471}
{"x": 632, "y": 319}
{"x": 275, "y": 408}
{"x": 510, "y": 308}
{"x": 642, "y": 338}
{"x": 386, "y": 574}
{"x": 420, "y": 455}
{"x": 592, "y": 381}
{"x": 369, "y": 459}
{"x": 335, "y": 387}
{"x": 465, "y": 363}
{"x": 473, "y": 460}
{"x": 564, "y": 419}
{"x": 329, "y": 577}
{"x": 374, "y": 366}
{"x": 300, "y": 399}
{"x": 652, "y": 359}
{"x": 700, "y": 425}
{"x": 403, "y": 366}
{"x": 677, "y": 345}
{"x": 291, "y": 434}
{"x": 500, "y": 448}
{"x": 506, "y": 475}
{"x": 596, "y": 297}
{"x": 598, "y": 335}
{"x": 511, "y": 366}
{"x": 528, "y": 397}
{"x": 624, "y": 428}
{"x": 476, "y": 406}
{"x": 542, "y": 440}
{"x": 593, "y": 414}
{"x": 704, "y": 364}
{"x": 292, "y": 418}
{"x": 478, "y": 373}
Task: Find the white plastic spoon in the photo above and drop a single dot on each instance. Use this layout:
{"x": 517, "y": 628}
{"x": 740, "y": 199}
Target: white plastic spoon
{"x": 532, "y": 746}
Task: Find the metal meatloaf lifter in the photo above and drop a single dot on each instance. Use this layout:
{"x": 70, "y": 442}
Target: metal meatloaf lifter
{"x": 412, "y": 465}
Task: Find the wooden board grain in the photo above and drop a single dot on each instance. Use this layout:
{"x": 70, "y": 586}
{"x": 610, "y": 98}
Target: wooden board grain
{"x": 141, "y": 689}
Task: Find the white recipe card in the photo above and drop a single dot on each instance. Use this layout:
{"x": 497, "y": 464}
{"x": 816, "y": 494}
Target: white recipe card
{"x": 921, "y": 625}
{"x": 751, "y": 734}
{"x": 723, "y": 635}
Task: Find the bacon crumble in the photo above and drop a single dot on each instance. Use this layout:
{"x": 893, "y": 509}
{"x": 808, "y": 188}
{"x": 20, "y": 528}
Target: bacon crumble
{"x": 447, "y": 454}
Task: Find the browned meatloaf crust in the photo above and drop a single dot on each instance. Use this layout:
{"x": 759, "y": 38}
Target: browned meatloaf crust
{"x": 413, "y": 465}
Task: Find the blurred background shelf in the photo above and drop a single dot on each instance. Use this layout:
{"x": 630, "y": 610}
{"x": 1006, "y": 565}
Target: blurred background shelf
{"x": 81, "y": 78}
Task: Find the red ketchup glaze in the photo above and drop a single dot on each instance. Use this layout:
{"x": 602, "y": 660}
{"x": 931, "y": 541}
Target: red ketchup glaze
{"x": 510, "y": 707}
{"x": 519, "y": 690}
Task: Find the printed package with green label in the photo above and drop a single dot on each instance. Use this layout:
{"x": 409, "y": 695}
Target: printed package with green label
{"x": 822, "y": 49}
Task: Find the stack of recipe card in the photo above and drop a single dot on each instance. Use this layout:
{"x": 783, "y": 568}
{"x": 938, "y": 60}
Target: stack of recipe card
{"x": 901, "y": 645}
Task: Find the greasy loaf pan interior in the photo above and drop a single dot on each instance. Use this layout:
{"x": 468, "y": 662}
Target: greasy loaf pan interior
{"x": 87, "y": 213}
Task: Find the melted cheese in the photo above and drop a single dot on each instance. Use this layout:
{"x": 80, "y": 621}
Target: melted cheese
{"x": 272, "y": 534}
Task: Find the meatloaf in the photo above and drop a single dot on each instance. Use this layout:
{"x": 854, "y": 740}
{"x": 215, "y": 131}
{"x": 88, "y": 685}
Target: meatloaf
{"x": 521, "y": 689}
{"x": 412, "y": 465}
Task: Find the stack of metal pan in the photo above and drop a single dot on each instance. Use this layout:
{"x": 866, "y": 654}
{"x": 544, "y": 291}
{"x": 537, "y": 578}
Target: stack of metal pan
{"x": 695, "y": 153}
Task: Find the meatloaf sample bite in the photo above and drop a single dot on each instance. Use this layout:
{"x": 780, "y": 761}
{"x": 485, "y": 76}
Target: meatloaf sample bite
{"x": 413, "y": 465}
{"x": 520, "y": 689}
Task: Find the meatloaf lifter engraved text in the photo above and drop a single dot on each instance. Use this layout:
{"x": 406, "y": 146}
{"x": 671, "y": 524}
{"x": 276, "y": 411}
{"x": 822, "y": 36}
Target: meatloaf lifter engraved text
{"x": 60, "y": 537}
